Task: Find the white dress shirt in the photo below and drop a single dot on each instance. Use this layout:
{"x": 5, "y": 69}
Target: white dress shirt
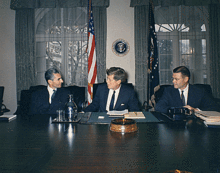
{"x": 50, "y": 90}
{"x": 185, "y": 93}
{"x": 110, "y": 97}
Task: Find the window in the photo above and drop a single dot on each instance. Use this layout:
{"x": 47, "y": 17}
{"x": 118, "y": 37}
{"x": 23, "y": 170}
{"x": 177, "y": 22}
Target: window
{"x": 181, "y": 36}
{"x": 61, "y": 41}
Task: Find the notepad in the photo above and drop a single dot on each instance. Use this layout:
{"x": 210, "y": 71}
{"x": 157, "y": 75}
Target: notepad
{"x": 7, "y": 117}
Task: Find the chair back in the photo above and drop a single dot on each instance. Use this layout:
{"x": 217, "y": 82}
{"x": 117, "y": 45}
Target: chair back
{"x": 1, "y": 98}
{"x": 78, "y": 95}
{"x": 158, "y": 94}
{"x": 95, "y": 86}
{"x": 206, "y": 87}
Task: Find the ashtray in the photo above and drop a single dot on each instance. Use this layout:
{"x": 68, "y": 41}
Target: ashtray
{"x": 123, "y": 125}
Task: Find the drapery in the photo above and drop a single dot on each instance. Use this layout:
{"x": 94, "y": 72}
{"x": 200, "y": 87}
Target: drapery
{"x": 25, "y": 38}
{"x": 24, "y": 49}
{"x": 214, "y": 47}
{"x": 212, "y": 42}
{"x": 141, "y": 51}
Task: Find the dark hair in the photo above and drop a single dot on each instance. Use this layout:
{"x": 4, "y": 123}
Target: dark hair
{"x": 119, "y": 73}
{"x": 49, "y": 74}
{"x": 183, "y": 70}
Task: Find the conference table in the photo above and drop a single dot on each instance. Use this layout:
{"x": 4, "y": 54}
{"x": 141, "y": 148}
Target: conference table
{"x": 36, "y": 144}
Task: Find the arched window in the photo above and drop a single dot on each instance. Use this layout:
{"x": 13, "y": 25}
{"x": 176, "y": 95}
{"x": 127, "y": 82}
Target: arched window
{"x": 182, "y": 40}
{"x": 61, "y": 42}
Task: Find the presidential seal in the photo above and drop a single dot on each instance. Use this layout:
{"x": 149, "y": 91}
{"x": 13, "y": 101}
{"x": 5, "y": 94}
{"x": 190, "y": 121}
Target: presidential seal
{"x": 120, "y": 47}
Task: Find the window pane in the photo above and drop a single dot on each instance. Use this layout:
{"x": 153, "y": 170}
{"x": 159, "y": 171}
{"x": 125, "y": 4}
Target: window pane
{"x": 203, "y": 45}
{"x": 185, "y": 60}
{"x": 166, "y": 62}
{"x": 184, "y": 47}
{"x": 165, "y": 46}
{"x": 165, "y": 77}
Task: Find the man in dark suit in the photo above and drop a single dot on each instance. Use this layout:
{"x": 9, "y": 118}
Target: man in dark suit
{"x": 183, "y": 94}
{"x": 114, "y": 95}
{"x": 52, "y": 97}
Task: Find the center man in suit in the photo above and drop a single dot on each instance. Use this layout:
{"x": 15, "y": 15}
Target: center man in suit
{"x": 52, "y": 97}
{"x": 124, "y": 95}
{"x": 183, "y": 94}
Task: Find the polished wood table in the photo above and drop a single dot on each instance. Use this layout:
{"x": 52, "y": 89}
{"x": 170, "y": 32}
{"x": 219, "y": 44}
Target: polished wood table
{"x": 34, "y": 144}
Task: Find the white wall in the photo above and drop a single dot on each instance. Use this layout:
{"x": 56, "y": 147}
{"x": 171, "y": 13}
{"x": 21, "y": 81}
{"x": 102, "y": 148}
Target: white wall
{"x": 120, "y": 25}
{"x": 7, "y": 55}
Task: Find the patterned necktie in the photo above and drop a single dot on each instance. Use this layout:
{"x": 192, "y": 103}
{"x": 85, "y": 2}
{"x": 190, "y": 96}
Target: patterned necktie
{"x": 112, "y": 101}
{"x": 53, "y": 95}
{"x": 183, "y": 99}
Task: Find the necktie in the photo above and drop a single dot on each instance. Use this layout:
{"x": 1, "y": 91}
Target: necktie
{"x": 183, "y": 99}
{"x": 112, "y": 101}
{"x": 53, "y": 95}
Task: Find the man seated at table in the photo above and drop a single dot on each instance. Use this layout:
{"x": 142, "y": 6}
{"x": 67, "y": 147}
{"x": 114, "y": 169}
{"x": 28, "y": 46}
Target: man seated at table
{"x": 114, "y": 95}
{"x": 183, "y": 94}
{"x": 52, "y": 97}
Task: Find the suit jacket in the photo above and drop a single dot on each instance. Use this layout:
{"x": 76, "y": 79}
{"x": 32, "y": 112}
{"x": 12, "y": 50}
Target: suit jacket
{"x": 126, "y": 99}
{"x": 197, "y": 98}
{"x": 40, "y": 101}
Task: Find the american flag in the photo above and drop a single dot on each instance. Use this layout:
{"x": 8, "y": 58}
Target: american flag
{"x": 92, "y": 66}
{"x": 153, "y": 64}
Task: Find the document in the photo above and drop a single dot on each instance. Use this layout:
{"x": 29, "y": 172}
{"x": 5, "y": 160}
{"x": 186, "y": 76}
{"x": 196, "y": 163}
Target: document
{"x": 208, "y": 115}
{"x": 211, "y": 118}
{"x": 135, "y": 115}
{"x": 117, "y": 113}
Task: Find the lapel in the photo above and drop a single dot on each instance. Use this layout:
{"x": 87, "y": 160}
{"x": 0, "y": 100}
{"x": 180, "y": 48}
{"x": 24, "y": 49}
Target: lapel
{"x": 176, "y": 94}
{"x": 45, "y": 96}
{"x": 120, "y": 97}
{"x": 190, "y": 95}
{"x": 105, "y": 94}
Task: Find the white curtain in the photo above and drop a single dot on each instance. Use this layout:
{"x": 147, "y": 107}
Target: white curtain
{"x": 61, "y": 42}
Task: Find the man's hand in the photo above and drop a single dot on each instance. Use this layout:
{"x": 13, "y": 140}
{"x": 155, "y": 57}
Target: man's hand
{"x": 191, "y": 108}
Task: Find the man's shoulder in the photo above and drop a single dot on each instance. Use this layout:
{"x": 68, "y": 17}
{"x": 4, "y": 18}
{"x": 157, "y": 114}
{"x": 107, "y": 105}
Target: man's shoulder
{"x": 196, "y": 90}
{"x": 170, "y": 88}
{"x": 102, "y": 86}
{"x": 39, "y": 91}
{"x": 63, "y": 90}
{"x": 127, "y": 86}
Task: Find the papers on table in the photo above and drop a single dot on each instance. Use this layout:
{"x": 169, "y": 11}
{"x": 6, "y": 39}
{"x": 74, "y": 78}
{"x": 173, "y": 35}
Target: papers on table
{"x": 7, "y": 117}
{"x": 209, "y": 117}
{"x": 134, "y": 115}
{"x": 117, "y": 113}
{"x": 126, "y": 114}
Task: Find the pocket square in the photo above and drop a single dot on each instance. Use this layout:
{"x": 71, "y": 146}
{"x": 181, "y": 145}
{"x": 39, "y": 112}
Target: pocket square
{"x": 122, "y": 104}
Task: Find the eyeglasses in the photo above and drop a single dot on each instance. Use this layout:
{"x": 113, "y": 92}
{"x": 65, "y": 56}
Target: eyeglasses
{"x": 176, "y": 79}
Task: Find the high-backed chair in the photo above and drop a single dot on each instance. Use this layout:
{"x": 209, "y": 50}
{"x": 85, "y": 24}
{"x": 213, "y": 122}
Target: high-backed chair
{"x": 3, "y": 108}
{"x": 78, "y": 95}
{"x": 25, "y": 99}
{"x": 1, "y": 98}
